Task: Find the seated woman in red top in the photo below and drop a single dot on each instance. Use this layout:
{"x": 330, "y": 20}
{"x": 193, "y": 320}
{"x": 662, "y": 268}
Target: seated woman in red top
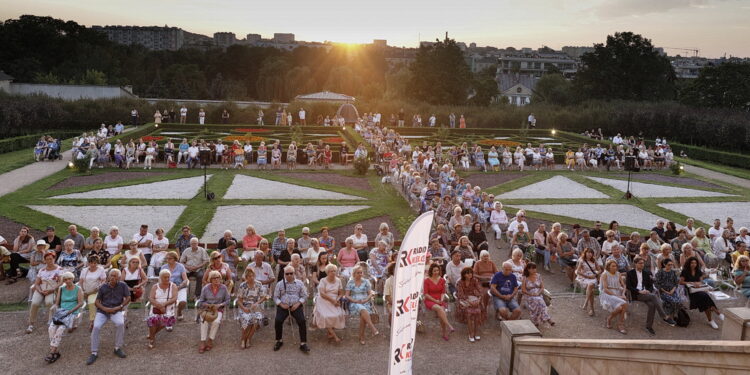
{"x": 434, "y": 289}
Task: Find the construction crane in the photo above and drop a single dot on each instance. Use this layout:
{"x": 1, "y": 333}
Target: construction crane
{"x": 695, "y": 51}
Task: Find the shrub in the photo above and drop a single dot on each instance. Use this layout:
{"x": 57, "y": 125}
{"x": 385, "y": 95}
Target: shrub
{"x": 82, "y": 165}
{"x": 361, "y": 166}
{"x": 676, "y": 168}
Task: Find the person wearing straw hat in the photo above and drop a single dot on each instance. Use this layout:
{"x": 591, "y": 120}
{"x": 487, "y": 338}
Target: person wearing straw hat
{"x": 36, "y": 260}
{"x": 69, "y": 299}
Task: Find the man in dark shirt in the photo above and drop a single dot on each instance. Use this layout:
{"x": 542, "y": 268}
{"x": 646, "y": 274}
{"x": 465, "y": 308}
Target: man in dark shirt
{"x": 77, "y": 238}
{"x": 659, "y": 229}
{"x": 111, "y": 301}
{"x": 53, "y": 241}
{"x": 183, "y": 241}
{"x": 598, "y": 233}
{"x": 638, "y": 281}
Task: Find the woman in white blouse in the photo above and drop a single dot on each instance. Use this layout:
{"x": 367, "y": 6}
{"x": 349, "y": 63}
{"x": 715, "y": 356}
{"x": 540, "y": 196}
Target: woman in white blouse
{"x": 113, "y": 243}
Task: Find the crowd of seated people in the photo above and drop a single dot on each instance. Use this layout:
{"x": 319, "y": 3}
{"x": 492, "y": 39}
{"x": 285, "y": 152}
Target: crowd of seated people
{"x": 103, "y": 276}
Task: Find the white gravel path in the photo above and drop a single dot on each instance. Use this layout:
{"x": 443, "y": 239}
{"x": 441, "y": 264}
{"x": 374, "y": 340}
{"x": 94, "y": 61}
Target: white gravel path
{"x": 555, "y": 187}
{"x": 707, "y": 212}
{"x": 643, "y": 190}
{"x": 625, "y": 214}
{"x": 181, "y": 188}
{"x": 127, "y": 218}
{"x": 268, "y": 219}
{"x": 247, "y": 187}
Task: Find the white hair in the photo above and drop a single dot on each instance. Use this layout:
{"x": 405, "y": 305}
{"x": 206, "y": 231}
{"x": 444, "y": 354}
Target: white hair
{"x": 288, "y": 269}
{"x": 95, "y": 229}
{"x": 296, "y": 256}
{"x": 114, "y": 228}
{"x": 229, "y": 232}
{"x": 165, "y": 272}
{"x": 115, "y": 272}
{"x": 194, "y": 239}
{"x": 483, "y": 253}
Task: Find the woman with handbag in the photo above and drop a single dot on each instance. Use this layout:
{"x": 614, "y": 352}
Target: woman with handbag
{"x": 45, "y": 285}
{"x": 163, "y": 298}
{"x": 532, "y": 288}
{"x": 692, "y": 277}
{"x": 214, "y": 297}
{"x": 250, "y": 298}
{"x": 69, "y": 298}
{"x": 587, "y": 276}
{"x": 471, "y": 308}
{"x": 136, "y": 279}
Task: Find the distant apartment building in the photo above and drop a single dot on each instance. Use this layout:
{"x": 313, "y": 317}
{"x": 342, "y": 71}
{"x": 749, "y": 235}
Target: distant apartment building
{"x": 380, "y": 43}
{"x": 518, "y": 71}
{"x": 252, "y": 38}
{"x": 224, "y": 39}
{"x": 576, "y": 51}
{"x": 152, "y": 37}
{"x": 283, "y": 38}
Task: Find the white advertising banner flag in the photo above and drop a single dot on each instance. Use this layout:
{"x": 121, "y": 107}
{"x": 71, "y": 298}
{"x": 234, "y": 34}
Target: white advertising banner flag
{"x": 407, "y": 287}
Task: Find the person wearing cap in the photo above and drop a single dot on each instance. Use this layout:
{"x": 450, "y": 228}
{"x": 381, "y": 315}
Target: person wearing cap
{"x": 111, "y": 300}
{"x": 47, "y": 281}
{"x": 78, "y": 239}
{"x": 53, "y": 241}
{"x": 213, "y": 299}
{"x": 290, "y": 296}
{"x": 217, "y": 264}
{"x": 69, "y": 298}
{"x": 36, "y": 260}
{"x": 304, "y": 242}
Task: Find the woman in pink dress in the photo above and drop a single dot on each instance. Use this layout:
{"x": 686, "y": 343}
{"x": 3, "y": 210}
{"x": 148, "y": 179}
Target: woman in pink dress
{"x": 348, "y": 258}
{"x": 434, "y": 289}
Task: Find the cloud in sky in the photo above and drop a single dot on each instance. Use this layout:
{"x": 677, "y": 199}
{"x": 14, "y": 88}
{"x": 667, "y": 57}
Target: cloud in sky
{"x": 624, "y": 8}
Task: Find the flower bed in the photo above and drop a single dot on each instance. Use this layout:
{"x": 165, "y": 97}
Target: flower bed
{"x": 243, "y": 138}
{"x": 333, "y": 140}
{"x": 251, "y": 130}
{"x": 150, "y": 138}
{"x": 498, "y": 143}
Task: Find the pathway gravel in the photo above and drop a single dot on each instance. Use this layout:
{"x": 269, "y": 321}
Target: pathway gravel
{"x": 717, "y": 176}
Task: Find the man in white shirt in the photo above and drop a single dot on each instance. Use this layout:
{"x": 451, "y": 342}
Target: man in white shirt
{"x": 183, "y": 114}
{"x": 248, "y": 150}
{"x": 302, "y": 116}
{"x": 144, "y": 240}
{"x": 715, "y": 231}
{"x": 193, "y": 160}
{"x": 433, "y": 120}
{"x": 119, "y": 128}
{"x": 263, "y": 272}
{"x": 134, "y": 117}
{"x": 617, "y": 139}
{"x": 453, "y": 270}
{"x": 519, "y": 220}
{"x": 532, "y": 120}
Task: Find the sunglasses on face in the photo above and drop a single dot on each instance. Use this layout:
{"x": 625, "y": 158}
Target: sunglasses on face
{"x": 289, "y": 273}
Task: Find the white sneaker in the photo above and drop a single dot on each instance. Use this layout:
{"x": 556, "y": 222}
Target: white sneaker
{"x": 471, "y": 339}
{"x": 721, "y": 317}
{"x": 30, "y": 329}
{"x": 477, "y": 338}
{"x": 713, "y": 324}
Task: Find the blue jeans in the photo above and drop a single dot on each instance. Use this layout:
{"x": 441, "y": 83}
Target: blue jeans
{"x": 500, "y": 304}
{"x": 546, "y": 254}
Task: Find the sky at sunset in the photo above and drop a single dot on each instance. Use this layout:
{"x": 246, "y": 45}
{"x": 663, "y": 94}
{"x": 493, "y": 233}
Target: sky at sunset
{"x": 715, "y": 27}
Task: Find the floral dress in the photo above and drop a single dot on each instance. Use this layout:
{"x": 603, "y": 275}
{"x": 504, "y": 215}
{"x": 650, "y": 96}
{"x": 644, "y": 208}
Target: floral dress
{"x": 611, "y": 302}
{"x": 666, "y": 281}
{"x": 465, "y": 293}
{"x": 250, "y": 296}
{"x": 535, "y": 304}
{"x": 358, "y": 293}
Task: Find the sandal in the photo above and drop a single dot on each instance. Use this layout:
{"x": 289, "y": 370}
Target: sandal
{"x": 50, "y": 357}
{"x": 55, "y": 356}
{"x": 150, "y": 342}
{"x": 202, "y": 348}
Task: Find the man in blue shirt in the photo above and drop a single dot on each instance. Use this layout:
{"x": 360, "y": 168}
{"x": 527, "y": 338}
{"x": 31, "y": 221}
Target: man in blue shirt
{"x": 504, "y": 287}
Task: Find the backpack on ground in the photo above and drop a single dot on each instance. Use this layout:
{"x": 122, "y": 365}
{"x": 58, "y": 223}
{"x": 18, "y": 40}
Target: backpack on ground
{"x": 682, "y": 318}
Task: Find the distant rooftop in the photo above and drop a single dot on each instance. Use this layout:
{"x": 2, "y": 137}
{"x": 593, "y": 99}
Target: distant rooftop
{"x": 5, "y": 77}
{"x": 326, "y": 96}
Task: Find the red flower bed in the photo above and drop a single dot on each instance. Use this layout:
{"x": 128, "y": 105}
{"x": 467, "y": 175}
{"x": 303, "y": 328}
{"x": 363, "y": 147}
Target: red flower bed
{"x": 333, "y": 140}
{"x": 251, "y": 130}
{"x": 150, "y": 138}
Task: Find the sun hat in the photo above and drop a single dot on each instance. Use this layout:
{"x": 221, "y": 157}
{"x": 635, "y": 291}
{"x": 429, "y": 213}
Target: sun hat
{"x": 42, "y": 243}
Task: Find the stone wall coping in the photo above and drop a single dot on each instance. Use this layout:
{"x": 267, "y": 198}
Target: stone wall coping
{"x": 672, "y": 345}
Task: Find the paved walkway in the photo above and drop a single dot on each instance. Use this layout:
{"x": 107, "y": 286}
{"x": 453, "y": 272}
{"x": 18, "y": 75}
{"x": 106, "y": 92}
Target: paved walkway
{"x": 18, "y": 178}
{"x": 717, "y": 176}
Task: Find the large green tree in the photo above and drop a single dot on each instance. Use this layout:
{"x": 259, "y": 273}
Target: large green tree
{"x": 726, "y": 86}
{"x": 626, "y": 67}
{"x": 440, "y": 75}
{"x": 553, "y": 88}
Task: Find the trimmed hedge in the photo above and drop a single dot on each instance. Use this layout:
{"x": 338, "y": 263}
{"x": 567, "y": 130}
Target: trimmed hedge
{"x": 721, "y": 157}
{"x": 29, "y": 141}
